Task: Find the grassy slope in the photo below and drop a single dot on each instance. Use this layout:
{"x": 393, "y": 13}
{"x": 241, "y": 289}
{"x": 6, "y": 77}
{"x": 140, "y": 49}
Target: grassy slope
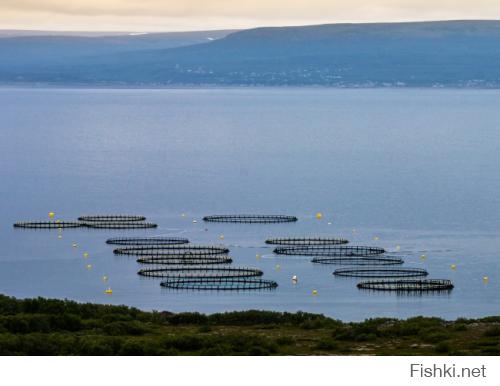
{"x": 55, "y": 327}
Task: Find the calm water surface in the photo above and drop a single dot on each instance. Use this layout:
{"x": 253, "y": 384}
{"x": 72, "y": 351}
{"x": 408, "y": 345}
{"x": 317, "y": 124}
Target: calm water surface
{"x": 416, "y": 168}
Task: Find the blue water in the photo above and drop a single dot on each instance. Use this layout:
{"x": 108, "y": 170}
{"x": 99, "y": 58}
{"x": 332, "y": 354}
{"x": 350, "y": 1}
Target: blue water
{"x": 416, "y": 168}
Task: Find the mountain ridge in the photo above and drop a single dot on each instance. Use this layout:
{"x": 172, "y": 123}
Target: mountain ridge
{"x": 417, "y": 54}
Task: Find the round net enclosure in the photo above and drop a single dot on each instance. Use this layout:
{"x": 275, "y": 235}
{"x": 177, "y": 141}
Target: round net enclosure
{"x": 332, "y": 251}
{"x": 203, "y": 260}
{"x": 380, "y": 272}
{"x": 119, "y": 225}
{"x": 407, "y": 285}
{"x": 172, "y": 251}
{"x": 200, "y": 271}
{"x": 358, "y": 260}
{"x": 147, "y": 240}
{"x": 47, "y": 224}
{"x": 218, "y": 284}
{"x": 306, "y": 241}
{"x": 111, "y": 218}
{"x": 250, "y": 218}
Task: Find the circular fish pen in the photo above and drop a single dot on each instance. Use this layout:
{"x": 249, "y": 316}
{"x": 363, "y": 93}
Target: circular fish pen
{"x": 147, "y": 241}
{"x": 358, "y": 260}
{"x": 119, "y": 225}
{"x": 250, "y": 218}
{"x": 407, "y": 285}
{"x": 47, "y": 224}
{"x": 306, "y": 241}
{"x": 376, "y": 272}
{"x": 197, "y": 272}
{"x": 218, "y": 284}
{"x": 172, "y": 250}
{"x": 111, "y": 218}
{"x": 201, "y": 261}
{"x": 332, "y": 251}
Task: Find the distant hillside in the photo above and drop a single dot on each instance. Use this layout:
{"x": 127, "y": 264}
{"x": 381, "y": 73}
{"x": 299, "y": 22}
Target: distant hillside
{"x": 429, "y": 54}
{"x": 34, "y": 51}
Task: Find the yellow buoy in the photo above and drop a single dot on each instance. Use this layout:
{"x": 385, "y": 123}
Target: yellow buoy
{"x": 453, "y": 266}
{"x": 108, "y": 291}
{"x": 59, "y": 236}
{"x": 319, "y": 215}
{"x": 375, "y": 238}
{"x": 88, "y": 266}
{"x": 423, "y": 257}
{"x": 314, "y": 292}
{"x": 74, "y": 245}
{"x": 221, "y": 237}
{"x": 105, "y": 278}
{"x": 51, "y": 214}
{"x": 85, "y": 254}
{"x": 398, "y": 248}
{"x": 183, "y": 215}
{"x": 257, "y": 256}
{"x": 486, "y": 279}
{"x": 278, "y": 267}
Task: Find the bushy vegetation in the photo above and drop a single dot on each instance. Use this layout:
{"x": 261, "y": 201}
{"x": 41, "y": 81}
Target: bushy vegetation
{"x": 61, "y": 327}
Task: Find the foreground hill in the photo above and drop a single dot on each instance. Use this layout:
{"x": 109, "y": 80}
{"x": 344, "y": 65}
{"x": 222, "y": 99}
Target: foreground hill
{"x": 56, "y": 327}
{"x": 427, "y": 54}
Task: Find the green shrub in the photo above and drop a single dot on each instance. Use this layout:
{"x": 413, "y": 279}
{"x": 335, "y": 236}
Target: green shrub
{"x": 326, "y": 344}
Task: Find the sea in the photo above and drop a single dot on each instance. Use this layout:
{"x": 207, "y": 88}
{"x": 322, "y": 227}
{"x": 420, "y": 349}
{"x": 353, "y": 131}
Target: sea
{"x": 414, "y": 171}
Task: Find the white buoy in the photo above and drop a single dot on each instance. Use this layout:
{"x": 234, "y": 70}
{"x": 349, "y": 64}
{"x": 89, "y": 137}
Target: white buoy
{"x": 294, "y": 279}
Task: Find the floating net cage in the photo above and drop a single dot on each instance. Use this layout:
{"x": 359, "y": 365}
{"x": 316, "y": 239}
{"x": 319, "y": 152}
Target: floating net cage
{"x": 250, "y": 218}
{"x": 47, "y": 224}
{"x": 358, "y": 260}
{"x": 201, "y": 272}
{"x": 219, "y": 284}
{"x": 176, "y": 260}
{"x": 332, "y": 251}
{"x": 111, "y": 218}
{"x": 407, "y": 285}
{"x": 147, "y": 240}
{"x": 172, "y": 251}
{"x": 380, "y": 272}
{"x": 306, "y": 241}
{"x": 119, "y": 225}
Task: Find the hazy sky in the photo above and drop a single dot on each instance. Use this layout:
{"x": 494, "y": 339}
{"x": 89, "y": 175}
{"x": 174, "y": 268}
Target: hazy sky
{"x": 176, "y": 15}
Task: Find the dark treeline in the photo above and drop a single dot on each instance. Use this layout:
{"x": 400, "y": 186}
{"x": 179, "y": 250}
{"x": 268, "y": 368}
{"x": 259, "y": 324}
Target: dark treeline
{"x": 61, "y": 327}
